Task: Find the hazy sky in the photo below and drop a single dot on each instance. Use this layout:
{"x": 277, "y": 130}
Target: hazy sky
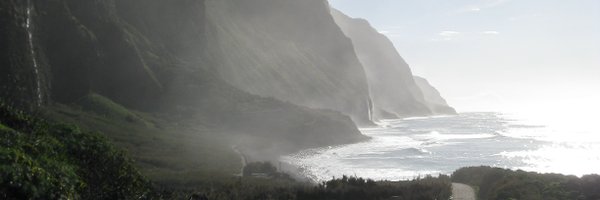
{"x": 496, "y": 54}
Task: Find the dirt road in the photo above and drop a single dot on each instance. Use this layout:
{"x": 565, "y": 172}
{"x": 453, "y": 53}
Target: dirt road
{"x": 462, "y": 192}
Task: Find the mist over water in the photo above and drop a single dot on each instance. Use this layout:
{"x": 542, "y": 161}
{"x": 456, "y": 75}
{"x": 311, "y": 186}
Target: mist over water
{"x": 403, "y": 149}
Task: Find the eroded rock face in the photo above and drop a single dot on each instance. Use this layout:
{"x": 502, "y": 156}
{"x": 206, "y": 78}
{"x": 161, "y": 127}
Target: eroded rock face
{"x": 391, "y": 84}
{"x": 290, "y": 50}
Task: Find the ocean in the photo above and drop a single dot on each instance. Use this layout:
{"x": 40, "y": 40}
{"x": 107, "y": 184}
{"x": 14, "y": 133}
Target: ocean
{"x": 407, "y": 148}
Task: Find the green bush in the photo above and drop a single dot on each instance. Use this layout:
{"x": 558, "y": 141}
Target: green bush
{"x": 497, "y": 183}
{"x": 41, "y": 160}
{"x": 23, "y": 177}
{"x": 349, "y": 188}
{"x": 345, "y": 188}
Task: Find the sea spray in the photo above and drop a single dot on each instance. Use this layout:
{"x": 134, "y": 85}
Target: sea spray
{"x": 29, "y": 28}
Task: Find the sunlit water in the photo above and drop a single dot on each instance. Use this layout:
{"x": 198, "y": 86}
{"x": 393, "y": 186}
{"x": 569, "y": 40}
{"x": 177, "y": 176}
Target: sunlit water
{"x": 403, "y": 149}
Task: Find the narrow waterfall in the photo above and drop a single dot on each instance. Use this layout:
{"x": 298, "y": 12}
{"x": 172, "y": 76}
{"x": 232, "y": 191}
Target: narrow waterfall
{"x": 370, "y": 108}
{"x": 28, "y": 27}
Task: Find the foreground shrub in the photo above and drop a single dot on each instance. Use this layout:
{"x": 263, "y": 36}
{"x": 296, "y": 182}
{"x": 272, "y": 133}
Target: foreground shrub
{"x": 41, "y": 160}
{"x": 497, "y": 183}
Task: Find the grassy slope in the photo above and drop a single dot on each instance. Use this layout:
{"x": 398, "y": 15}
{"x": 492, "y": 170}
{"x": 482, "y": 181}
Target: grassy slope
{"x": 165, "y": 151}
{"x": 176, "y": 149}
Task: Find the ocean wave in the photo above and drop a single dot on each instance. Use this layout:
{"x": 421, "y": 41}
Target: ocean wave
{"x": 435, "y": 135}
{"x": 408, "y": 148}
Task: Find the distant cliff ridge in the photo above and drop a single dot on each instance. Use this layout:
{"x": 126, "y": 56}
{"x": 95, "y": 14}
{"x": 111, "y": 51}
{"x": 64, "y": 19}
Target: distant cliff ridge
{"x": 391, "y": 85}
{"x": 436, "y": 103}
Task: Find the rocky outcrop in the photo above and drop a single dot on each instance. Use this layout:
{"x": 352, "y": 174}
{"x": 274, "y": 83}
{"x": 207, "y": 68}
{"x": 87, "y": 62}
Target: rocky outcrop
{"x": 290, "y": 50}
{"x": 436, "y": 103}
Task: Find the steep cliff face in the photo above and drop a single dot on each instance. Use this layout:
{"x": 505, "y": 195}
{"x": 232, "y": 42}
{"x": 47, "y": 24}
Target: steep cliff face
{"x": 20, "y": 76}
{"x": 128, "y": 50}
{"x": 391, "y": 84}
{"x": 392, "y": 87}
{"x": 434, "y": 99}
{"x": 150, "y": 56}
{"x": 288, "y": 49}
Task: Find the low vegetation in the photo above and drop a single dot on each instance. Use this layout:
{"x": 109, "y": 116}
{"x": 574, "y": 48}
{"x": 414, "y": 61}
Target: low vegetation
{"x": 41, "y": 160}
{"x": 358, "y": 188}
{"x": 345, "y": 188}
{"x": 497, "y": 183}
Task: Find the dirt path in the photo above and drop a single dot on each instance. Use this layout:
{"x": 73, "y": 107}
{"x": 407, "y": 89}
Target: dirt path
{"x": 243, "y": 158}
{"x": 462, "y": 192}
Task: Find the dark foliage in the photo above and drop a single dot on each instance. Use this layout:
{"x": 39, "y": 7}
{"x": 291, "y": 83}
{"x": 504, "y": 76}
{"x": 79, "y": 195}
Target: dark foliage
{"x": 40, "y": 160}
{"x": 359, "y": 188}
{"x": 345, "y": 188}
{"x": 497, "y": 183}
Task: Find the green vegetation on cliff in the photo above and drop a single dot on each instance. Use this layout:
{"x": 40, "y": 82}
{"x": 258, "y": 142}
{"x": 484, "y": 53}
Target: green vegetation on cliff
{"x": 105, "y": 107}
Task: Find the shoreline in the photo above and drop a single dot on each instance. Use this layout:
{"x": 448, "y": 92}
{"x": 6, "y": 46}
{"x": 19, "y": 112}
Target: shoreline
{"x": 442, "y": 144}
